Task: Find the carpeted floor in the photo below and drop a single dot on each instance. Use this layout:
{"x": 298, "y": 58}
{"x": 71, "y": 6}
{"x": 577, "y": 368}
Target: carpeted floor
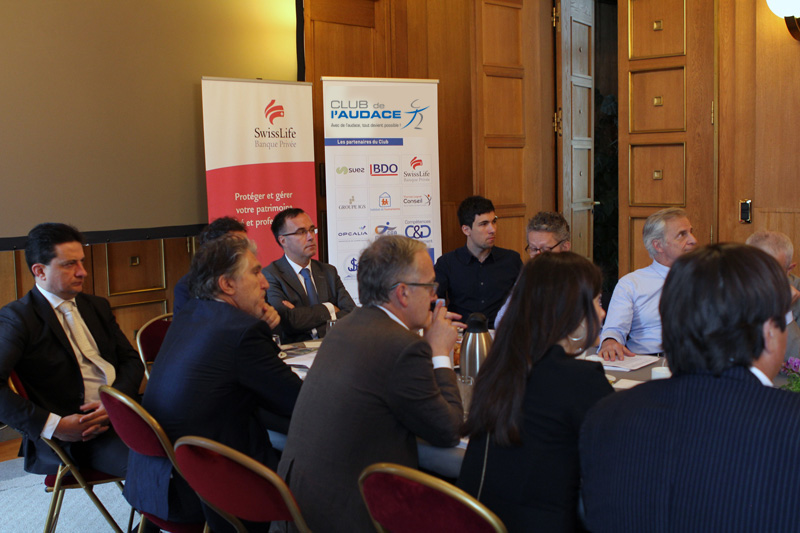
{"x": 24, "y": 504}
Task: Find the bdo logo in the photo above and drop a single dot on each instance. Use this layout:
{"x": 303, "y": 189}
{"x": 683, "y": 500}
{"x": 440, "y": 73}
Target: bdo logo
{"x": 382, "y": 169}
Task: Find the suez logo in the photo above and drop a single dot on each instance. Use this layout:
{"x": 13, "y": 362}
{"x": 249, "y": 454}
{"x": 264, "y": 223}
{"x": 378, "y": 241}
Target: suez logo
{"x": 349, "y": 170}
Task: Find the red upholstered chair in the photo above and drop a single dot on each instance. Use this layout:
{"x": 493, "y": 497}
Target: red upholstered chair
{"x": 143, "y": 434}
{"x": 236, "y": 483}
{"x": 149, "y": 339}
{"x": 400, "y": 499}
{"x": 69, "y": 476}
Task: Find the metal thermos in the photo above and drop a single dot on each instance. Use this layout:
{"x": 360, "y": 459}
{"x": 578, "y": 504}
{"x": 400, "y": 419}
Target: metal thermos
{"x": 475, "y": 346}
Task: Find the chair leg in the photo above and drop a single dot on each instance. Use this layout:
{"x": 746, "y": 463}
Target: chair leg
{"x": 130, "y": 521}
{"x": 55, "y": 501}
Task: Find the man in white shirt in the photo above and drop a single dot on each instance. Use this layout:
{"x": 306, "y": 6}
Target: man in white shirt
{"x": 306, "y": 293}
{"x": 63, "y": 345}
{"x": 633, "y": 323}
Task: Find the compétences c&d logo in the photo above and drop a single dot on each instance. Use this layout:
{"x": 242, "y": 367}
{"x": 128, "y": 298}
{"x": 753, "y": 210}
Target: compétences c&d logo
{"x": 275, "y": 137}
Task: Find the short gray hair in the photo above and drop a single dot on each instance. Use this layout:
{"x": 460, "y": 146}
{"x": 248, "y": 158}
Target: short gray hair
{"x": 382, "y": 264}
{"x": 222, "y": 257}
{"x": 655, "y": 225}
{"x": 774, "y": 243}
{"x": 550, "y": 222}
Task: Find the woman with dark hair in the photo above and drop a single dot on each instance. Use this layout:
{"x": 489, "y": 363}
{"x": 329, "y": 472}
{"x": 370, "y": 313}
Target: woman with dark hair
{"x": 531, "y": 396}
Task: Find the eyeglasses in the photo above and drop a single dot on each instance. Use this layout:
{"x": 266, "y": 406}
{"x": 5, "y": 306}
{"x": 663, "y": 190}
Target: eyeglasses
{"x": 431, "y": 286}
{"x": 302, "y": 232}
{"x": 534, "y": 250}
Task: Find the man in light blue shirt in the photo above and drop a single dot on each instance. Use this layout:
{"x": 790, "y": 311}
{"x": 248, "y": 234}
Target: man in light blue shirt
{"x": 633, "y": 322}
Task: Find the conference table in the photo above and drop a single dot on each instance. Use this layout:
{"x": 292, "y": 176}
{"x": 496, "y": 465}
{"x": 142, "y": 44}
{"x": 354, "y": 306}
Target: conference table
{"x": 446, "y": 462}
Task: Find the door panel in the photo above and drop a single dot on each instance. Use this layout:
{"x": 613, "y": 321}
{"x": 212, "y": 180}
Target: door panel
{"x": 575, "y": 93}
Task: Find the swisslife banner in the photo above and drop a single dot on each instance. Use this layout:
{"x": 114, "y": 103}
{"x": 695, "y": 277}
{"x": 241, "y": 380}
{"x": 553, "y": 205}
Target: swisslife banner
{"x": 382, "y": 166}
{"x": 259, "y": 146}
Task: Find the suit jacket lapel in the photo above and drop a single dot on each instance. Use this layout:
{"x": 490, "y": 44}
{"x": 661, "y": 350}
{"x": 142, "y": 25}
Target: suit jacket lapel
{"x": 291, "y": 279}
{"x": 48, "y": 314}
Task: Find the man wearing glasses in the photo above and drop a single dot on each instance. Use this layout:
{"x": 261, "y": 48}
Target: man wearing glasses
{"x": 477, "y": 277}
{"x": 547, "y": 232}
{"x": 375, "y": 386}
{"x": 306, "y": 292}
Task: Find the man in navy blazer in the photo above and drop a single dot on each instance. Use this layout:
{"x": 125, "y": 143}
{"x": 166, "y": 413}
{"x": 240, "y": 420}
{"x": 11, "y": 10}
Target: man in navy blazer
{"x": 217, "y": 369}
{"x": 62, "y": 374}
{"x": 715, "y": 447}
{"x": 304, "y": 312}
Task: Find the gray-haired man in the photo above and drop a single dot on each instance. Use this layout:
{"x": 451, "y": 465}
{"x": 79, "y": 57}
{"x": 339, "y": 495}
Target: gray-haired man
{"x": 633, "y": 323}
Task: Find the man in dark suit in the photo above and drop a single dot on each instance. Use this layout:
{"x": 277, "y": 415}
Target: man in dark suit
{"x": 306, "y": 292}
{"x": 217, "y": 368}
{"x": 715, "y": 447}
{"x": 375, "y": 386}
{"x": 63, "y": 345}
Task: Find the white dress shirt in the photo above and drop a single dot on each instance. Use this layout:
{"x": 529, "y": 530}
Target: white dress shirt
{"x": 93, "y": 372}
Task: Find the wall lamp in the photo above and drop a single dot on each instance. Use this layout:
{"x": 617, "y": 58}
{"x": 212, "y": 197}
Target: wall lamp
{"x": 789, "y": 10}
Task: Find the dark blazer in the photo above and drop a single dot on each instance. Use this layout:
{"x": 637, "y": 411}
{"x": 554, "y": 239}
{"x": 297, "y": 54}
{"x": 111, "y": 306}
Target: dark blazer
{"x": 693, "y": 453}
{"x": 34, "y": 344}
{"x": 534, "y": 486}
{"x": 180, "y": 294}
{"x": 371, "y": 392}
{"x": 297, "y": 323}
{"x": 216, "y": 367}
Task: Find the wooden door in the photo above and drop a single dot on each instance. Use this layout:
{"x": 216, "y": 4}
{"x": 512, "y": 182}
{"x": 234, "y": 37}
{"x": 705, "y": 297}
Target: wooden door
{"x": 666, "y": 118}
{"x": 574, "y": 120}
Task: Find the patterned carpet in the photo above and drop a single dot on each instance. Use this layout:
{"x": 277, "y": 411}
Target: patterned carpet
{"x": 24, "y": 504}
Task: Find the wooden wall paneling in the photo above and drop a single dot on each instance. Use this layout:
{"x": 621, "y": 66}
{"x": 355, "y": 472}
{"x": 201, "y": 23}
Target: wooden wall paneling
{"x": 127, "y": 287}
{"x": 8, "y": 278}
{"x": 501, "y": 119}
{"x": 343, "y": 38}
{"x": 538, "y": 58}
{"x": 657, "y": 100}
{"x": 657, "y": 174}
{"x": 450, "y": 58}
{"x": 642, "y": 123}
{"x": 24, "y": 277}
{"x": 640, "y": 258}
{"x": 658, "y": 29}
{"x": 132, "y": 316}
{"x": 758, "y": 107}
{"x": 136, "y": 266}
{"x": 177, "y": 259}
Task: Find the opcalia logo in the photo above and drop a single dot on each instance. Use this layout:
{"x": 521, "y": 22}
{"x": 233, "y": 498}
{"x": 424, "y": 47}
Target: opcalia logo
{"x": 273, "y": 111}
{"x": 416, "y": 162}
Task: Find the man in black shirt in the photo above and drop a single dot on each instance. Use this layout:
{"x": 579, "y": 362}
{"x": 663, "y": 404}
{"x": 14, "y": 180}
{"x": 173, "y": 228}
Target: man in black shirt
{"x": 478, "y": 276}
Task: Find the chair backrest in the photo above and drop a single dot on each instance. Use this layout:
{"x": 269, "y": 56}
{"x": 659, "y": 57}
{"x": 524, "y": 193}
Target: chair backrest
{"x": 135, "y": 426}
{"x": 149, "y": 339}
{"x": 400, "y": 499}
{"x": 16, "y": 385}
{"x": 235, "y": 482}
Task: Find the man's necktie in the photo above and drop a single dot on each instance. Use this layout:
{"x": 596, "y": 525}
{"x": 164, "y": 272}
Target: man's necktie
{"x": 313, "y": 299}
{"x": 76, "y": 328}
